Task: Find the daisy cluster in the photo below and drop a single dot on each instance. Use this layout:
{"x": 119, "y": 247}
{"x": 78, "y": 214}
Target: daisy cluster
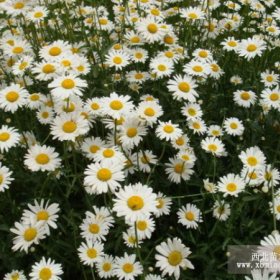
{"x": 132, "y": 118}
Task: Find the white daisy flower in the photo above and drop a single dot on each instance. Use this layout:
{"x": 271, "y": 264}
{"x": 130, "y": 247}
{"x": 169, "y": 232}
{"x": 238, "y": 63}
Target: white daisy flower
{"x": 110, "y": 155}
{"x": 64, "y": 86}
{"x": 144, "y": 228}
{"x": 41, "y": 212}
{"x": 187, "y": 155}
{"x": 230, "y": 44}
{"x": 233, "y": 126}
{"x": 135, "y": 202}
{"x": 117, "y": 59}
{"x": 129, "y": 238}
{"x": 189, "y": 216}
{"x": 251, "y": 178}
{"x": 164, "y": 204}
{"x": 45, "y": 115}
{"x": 91, "y": 252}
{"x": 27, "y": 235}
{"x": 91, "y": 145}
{"x": 161, "y": 67}
{"x": 231, "y": 184}
{"x": 198, "y": 126}
{"x": 35, "y": 101}
{"x": 269, "y": 176}
{"x": 259, "y": 274}
{"x": 253, "y": 158}
{"x": 15, "y": 275}
{"x": 173, "y": 255}
{"x": 213, "y": 145}
{"x": 168, "y": 131}
{"x": 54, "y": 50}
{"x": 192, "y": 111}
{"x": 104, "y": 176}
{"x": 106, "y": 267}
{"x": 127, "y": 268}
{"x": 42, "y": 158}
{"x": 45, "y": 70}
{"x": 46, "y": 269}
{"x": 68, "y": 126}
{"x": 269, "y": 79}
{"x": 192, "y": 13}
{"x": 215, "y": 130}
{"x": 13, "y": 97}
{"x": 149, "y": 112}
{"x": 270, "y": 97}
{"x": 144, "y": 160}
{"x": 103, "y": 212}
{"x": 251, "y": 47}
{"x": 197, "y": 68}
{"x": 208, "y": 186}
{"x": 5, "y": 177}
{"x": 244, "y": 98}
{"x": 221, "y": 210}
{"x": 8, "y": 138}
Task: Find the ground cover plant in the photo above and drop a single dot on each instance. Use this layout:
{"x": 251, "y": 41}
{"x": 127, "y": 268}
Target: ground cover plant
{"x": 138, "y": 138}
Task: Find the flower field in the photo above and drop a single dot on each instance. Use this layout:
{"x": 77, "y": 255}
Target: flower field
{"x": 138, "y": 138}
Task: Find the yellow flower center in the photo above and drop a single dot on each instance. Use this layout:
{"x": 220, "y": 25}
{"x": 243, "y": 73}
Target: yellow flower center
{"x": 160, "y": 203}
{"x": 45, "y": 274}
{"x": 211, "y": 27}
{"x": 108, "y": 153}
{"x": 128, "y": 268}
{"x": 12, "y": 96}
{"x": 268, "y": 176}
{"x": 221, "y": 210}
{"x": 15, "y": 276}
{"x": 152, "y": 28}
{"x": 192, "y": 112}
{"x": 155, "y": 12}
{"x": 278, "y": 208}
{"x": 4, "y": 136}
{"x": 231, "y": 187}
{"x": 70, "y": 108}
{"x": 149, "y": 112}
{"x": 135, "y": 40}
{"x": 93, "y": 149}
{"x": 252, "y": 175}
{"x": 179, "y": 168}
{"x": 189, "y": 216}
{"x": 18, "y": 5}
{"x": 116, "y": 105}
{"x": 94, "y": 228}
{"x": 91, "y": 253}
{"x": 232, "y": 44}
{"x": 138, "y": 76}
{"x": 180, "y": 141}
{"x": 145, "y": 160}
{"x": 68, "y": 84}
{"x": 69, "y": 127}
{"x": 271, "y": 29}
{"x": 117, "y": 60}
{"x": 252, "y": 161}
{"x": 215, "y": 67}
{"x": 34, "y": 97}
{"x": 45, "y": 115}
{"x": 139, "y": 55}
{"x": 269, "y": 79}
{"x": 94, "y": 106}
{"x": 104, "y": 174}
{"x": 215, "y": 132}
{"x": 169, "y": 54}
{"x": 106, "y": 267}
{"x": 197, "y": 69}
{"x": 196, "y": 125}
{"x": 277, "y": 252}
{"x": 175, "y": 258}
{"x": 22, "y": 65}
{"x": 135, "y": 203}
{"x": 38, "y": 14}
{"x": 203, "y": 54}
{"x": 274, "y": 97}
{"x": 251, "y": 48}
{"x": 245, "y": 95}
{"x": 54, "y": 51}
{"x": 193, "y": 15}
{"x": 168, "y": 40}
{"x": 168, "y": 129}
{"x": 66, "y": 63}
{"x": 131, "y": 239}
{"x": 48, "y": 68}
{"x": 42, "y": 158}
{"x": 234, "y": 125}
{"x": 30, "y": 234}
{"x": 212, "y": 147}
{"x": 183, "y": 86}
{"x": 162, "y": 67}
{"x": 131, "y": 132}
{"x": 142, "y": 225}
{"x": 103, "y": 21}
{"x": 42, "y": 216}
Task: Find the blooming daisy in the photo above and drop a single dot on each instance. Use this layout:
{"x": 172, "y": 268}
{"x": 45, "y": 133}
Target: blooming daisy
{"x": 233, "y": 126}
{"x": 198, "y": 126}
{"x": 46, "y": 269}
{"x": 177, "y": 170}
{"x": 22, "y": 64}
{"x": 106, "y": 267}
{"x": 45, "y": 70}
{"x": 187, "y": 155}
{"x": 192, "y": 13}
{"x": 270, "y": 97}
{"x": 192, "y": 111}
{"x": 269, "y": 176}
{"x": 172, "y": 255}
{"x": 244, "y": 98}
{"x": 65, "y": 86}
{"x": 117, "y": 59}
{"x": 161, "y": 67}
{"x": 103, "y": 176}
{"x": 135, "y": 202}
{"x": 129, "y": 238}
{"x": 137, "y": 76}
{"x": 13, "y": 97}
{"x": 231, "y": 184}
{"x": 259, "y": 274}
{"x": 116, "y": 105}
{"x": 144, "y": 159}
{"x": 253, "y": 158}
{"x": 213, "y": 145}
{"x": 27, "y": 234}
{"x": 149, "y": 112}
{"x": 197, "y": 68}
{"x": 18, "y": 48}
{"x": 39, "y": 212}
{"x": 251, "y": 178}
{"x": 251, "y": 47}
{"x": 42, "y": 158}
{"x": 269, "y": 79}
{"x": 189, "y": 216}
{"x": 15, "y": 275}
{"x": 37, "y": 14}
{"x": 8, "y": 138}
{"x": 110, "y": 155}
{"x": 144, "y": 228}
{"x": 236, "y": 80}
{"x": 181, "y": 143}
{"x": 131, "y": 132}
{"x": 127, "y": 268}
{"x": 104, "y": 213}
{"x": 69, "y": 126}
{"x": 168, "y": 131}
{"x": 210, "y": 187}
{"x": 94, "y": 228}
{"x": 230, "y": 44}
{"x": 215, "y": 130}
{"x": 139, "y": 55}
{"x": 91, "y": 145}
{"x": 221, "y": 210}
{"x": 203, "y": 55}
{"x": 150, "y": 29}
{"x": 91, "y": 252}
{"x": 164, "y": 204}
{"x": 5, "y": 178}
{"x": 35, "y": 101}
{"x": 45, "y": 115}
{"x": 54, "y": 50}
{"x": 276, "y": 206}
